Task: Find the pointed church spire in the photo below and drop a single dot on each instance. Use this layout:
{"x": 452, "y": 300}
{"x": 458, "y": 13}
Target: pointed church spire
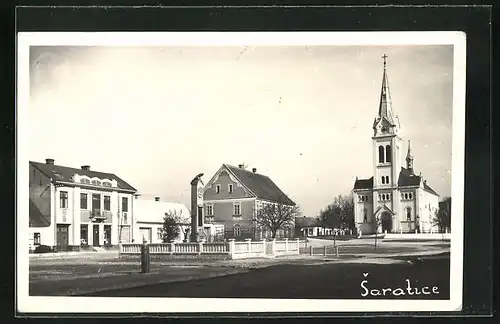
{"x": 409, "y": 159}
{"x": 385, "y": 108}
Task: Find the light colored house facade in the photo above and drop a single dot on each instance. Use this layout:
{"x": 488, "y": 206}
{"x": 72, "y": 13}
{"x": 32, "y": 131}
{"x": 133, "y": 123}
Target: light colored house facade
{"x": 72, "y": 208}
{"x": 233, "y": 196}
{"x": 149, "y": 215}
{"x": 395, "y": 199}
{"x": 309, "y": 226}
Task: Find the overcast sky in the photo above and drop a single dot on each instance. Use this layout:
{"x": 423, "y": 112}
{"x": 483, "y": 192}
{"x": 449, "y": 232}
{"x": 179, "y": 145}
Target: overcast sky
{"x": 156, "y": 117}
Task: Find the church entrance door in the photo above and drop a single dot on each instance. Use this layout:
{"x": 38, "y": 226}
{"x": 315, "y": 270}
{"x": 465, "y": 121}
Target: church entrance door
{"x": 386, "y": 222}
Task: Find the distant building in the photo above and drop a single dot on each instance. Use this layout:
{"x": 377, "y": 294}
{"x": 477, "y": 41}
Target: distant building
{"x": 71, "y": 208}
{"x": 149, "y": 214}
{"x": 402, "y": 200}
{"x": 232, "y": 197}
{"x": 309, "y": 226}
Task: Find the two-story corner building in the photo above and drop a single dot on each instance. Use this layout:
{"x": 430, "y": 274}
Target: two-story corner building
{"x": 395, "y": 198}
{"x": 232, "y": 197}
{"x": 71, "y": 208}
{"x": 149, "y": 214}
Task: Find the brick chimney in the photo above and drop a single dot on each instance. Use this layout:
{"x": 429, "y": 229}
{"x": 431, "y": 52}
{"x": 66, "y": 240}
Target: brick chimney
{"x": 254, "y": 170}
{"x": 49, "y": 161}
{"x": 157, "y": 198}
{"x": 86, "y": 167}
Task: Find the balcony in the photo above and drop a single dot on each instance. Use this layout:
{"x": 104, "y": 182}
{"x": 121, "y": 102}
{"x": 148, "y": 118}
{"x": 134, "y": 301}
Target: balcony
{"x": 98, "y": 215}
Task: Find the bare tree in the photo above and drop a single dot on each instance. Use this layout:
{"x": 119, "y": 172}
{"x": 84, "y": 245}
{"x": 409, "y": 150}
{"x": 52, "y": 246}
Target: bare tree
{"x": 171, "y": 226}
{"x": 274, "y": 217}
{"x": 339, "y": 214}
{"x": 441, "y": 219}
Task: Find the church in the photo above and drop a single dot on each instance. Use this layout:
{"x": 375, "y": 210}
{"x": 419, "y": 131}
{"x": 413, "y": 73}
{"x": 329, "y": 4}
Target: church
{"x": 395, "y": 199}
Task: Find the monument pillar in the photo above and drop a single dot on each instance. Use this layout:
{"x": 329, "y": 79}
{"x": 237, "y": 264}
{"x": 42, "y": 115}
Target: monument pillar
{"x": 196, "y": 207}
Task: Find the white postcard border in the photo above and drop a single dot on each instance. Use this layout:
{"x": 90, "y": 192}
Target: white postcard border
{"x": 31, "y": 304}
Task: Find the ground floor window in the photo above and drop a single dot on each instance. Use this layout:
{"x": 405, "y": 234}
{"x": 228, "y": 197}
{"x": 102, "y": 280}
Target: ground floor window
{"x": 159, "y": 233}
{"x": 84, "y": 234}
{"x": 36, "y": 239}
{"x": 237, "y": 230}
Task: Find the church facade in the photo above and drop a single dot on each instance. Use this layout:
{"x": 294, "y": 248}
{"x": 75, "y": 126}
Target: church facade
{"x": 395, "y": 199}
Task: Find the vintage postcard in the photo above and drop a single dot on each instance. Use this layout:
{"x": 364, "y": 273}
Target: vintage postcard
{"x": 240, "y": 172}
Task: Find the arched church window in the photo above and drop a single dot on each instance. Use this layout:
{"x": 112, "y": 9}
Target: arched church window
{"x": 388, "y": 153}
{"x": 402, "y": 196}
{"x": 387, "y": 179}
{"x": 410, "y": 196}
{"x": 406, "y": 195}
{"x": 408, "y": 213}
{"x": 381, "y": 154}
{"x": 383, "y": 180}
{"x": 365, "y": 215}
{"x": 379, "y": 197}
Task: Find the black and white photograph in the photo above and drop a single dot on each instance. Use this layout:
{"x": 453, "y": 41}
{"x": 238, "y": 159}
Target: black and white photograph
{"x": 240, "y": 171}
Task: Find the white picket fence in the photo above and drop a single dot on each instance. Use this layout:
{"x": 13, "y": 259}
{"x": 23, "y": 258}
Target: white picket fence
{"x": 233, "y": 249}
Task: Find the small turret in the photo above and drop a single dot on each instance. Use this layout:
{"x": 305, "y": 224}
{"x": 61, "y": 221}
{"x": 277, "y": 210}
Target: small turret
{"x": 409, "y": 159}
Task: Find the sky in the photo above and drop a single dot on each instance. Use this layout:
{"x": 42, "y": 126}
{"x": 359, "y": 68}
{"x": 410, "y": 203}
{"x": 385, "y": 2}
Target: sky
{"x": 302, "y": 115}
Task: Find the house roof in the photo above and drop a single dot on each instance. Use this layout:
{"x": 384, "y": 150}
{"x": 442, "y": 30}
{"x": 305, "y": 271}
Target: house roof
{"x": 36, "y": 218}
{"x": 262, "y": 186}
{"x": 151, "y": 211}
{"x": 63, "y": 173}
{"x": 306, "y": 222}
{"x": 363, "y": 184}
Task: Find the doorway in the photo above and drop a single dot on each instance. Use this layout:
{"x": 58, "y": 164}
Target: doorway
{"x": 386, "y": 222}
{"x": 107, "y": 235}
{"x": 62, "y": 237}
{"x": 96, "y": 236}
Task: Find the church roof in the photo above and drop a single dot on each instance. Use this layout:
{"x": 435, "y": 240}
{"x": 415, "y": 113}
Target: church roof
{"x": 406, "y": 179}
{"x": 363, "y": 184}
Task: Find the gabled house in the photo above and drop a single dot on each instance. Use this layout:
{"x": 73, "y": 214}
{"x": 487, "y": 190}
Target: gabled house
{"x": 232, "y": 197}
{"x": 70, "y": 208}
{"x": 310, "y": 226}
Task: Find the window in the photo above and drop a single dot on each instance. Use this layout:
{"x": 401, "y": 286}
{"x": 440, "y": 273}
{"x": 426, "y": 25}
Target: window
{"x": 83, "y": 201}
{"x": 381, "y": 154}
{"x": 106, "y": 184}
{"x": 237, "y": 230}
{"x": 210, "y": 210}
{"x": 406, "y": 195}
{"x": 365, "y": 215}
{"x": 408, "y": 214}
{"x": 237, "y": 209}
{"x": 159, "y": 233}
{"x": 124, "y": 204}
{"x": 410, "y": 195}
{"x": 383, "y": 180}
{"x": 387, "y": 179}
{"x": 230, "y": 188}
{"x": 107, "y": 203}
{"x": 64, "y": 199}
{"x": 85, "y": 181}
{"x": 36, "y": 239}
{"x": 388, "y": 153}
{"x": 96, "y": 182}
{"x": 96, "y": 202}
{"x": 217, "y": 189}
{"x": 84, "y": 231}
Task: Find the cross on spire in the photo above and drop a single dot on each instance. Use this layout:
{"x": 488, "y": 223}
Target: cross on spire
{"x": 385, "y": 58}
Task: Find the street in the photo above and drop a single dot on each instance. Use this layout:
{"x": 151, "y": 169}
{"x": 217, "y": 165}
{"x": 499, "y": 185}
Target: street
{"x": 327, "y": 280}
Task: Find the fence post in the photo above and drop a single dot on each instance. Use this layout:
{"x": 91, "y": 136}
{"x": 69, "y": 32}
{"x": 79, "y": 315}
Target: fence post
{"x": 172, "y": 247}
{"x": 231, "y": 246}
{"x": 286, "y": 245}
{"x": 145, "y": 257}
{"x": 324, "y": 250}
{"x": 249, "y": 246}
{"x": 274, "y": 246}
{"x": 336, "y": 250}
{"x": 200, "y": 246}
{"x": 120, "y": 250}
{"x": 298, "y": 245}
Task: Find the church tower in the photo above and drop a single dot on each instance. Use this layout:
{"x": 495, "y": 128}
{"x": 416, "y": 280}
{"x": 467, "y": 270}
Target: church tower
{"x": 386, "y": 149}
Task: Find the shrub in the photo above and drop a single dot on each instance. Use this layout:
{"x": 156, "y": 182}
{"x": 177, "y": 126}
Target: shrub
{"x": 43, "y": 249}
